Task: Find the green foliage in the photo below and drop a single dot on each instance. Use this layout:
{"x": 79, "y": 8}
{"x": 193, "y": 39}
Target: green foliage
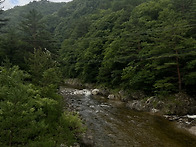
{"x": 44, "y": 7}
{"x": 28, "y": 117}
{"x": 51, "y": 76}
{"x": 144, "y": 45}
{"x": 165, "y": 55}
{"x": 43, "y": 68}
{"x": 34, "y": 31}
{"x": 71, "y": 126}
{"x": 147, "y": 45}
{"x": 164, "y": 86}
{"x": 13, "y": 48}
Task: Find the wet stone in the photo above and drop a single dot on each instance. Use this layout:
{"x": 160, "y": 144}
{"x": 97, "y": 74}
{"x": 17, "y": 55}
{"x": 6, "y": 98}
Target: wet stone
{"x": 111, "y": 125}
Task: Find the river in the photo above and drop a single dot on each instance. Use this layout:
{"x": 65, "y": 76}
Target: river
{"x": 111, "y": 124}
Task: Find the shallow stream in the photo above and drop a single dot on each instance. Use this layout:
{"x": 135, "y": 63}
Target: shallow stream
{"x": 111, "y": 124}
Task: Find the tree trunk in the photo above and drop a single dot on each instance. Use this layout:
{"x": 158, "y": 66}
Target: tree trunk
{"x": 178, "y": 71}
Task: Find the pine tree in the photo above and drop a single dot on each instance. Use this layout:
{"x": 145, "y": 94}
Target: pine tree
{"x": 164, "y": 48}
{"x": 35, "y": 32}
{"x": 32, "y": 116}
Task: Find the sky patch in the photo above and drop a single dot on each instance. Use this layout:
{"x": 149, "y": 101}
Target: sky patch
{"x": 8, "y": 4}
{"x": 15, "y": 2}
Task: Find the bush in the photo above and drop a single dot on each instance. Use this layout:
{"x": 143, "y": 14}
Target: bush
{"x": 30, "y": 118}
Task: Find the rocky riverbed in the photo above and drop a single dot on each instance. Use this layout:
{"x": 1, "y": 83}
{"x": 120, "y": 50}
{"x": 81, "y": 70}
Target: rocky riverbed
{"x": 174, "y": 108}
{"x": 111, "y": 123}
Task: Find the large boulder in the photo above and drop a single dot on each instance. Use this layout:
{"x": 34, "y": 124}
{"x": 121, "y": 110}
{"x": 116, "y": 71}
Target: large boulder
{"x": 95, "y": 91}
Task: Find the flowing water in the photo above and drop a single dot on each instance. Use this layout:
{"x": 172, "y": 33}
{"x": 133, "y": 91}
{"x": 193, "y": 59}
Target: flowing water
{"x": 111, "y": 124}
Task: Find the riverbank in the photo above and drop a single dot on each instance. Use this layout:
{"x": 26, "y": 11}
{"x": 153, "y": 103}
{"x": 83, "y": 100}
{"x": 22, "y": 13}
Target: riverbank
{"x": 111, "y": 123}
{"x": 179, "y": 108}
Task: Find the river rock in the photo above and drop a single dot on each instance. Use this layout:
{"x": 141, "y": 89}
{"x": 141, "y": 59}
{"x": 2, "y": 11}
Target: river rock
{"x": 192, "y": 130}
{"x": 135, "y": 105}
{"x": 111, "y": 97}
{"x": 78, "y": 92}
{"x": 182, "y": 104}
{"x": 153, "y": 110}
{"x": 95, "y": 91}
{"x": 191, "y": 116}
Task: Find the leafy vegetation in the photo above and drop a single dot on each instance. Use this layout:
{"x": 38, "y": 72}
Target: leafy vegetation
{"x": 31, "y": 111}
{"x": 139, "y": 45}
{"x": 146, "y": 45}
{"x": 31, "y": 115}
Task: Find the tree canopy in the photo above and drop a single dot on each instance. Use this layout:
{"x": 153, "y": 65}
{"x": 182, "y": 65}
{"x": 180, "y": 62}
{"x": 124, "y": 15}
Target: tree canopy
{"x": 145, "y": 45}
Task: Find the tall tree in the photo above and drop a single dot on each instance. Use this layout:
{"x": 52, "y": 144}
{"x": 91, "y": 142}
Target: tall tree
{"x": 165, "y": 49}
{"x": 35, "y": 32}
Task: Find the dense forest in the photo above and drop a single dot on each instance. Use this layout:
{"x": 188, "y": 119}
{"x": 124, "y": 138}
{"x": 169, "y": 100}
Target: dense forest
{"x": 145, "y": 45}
